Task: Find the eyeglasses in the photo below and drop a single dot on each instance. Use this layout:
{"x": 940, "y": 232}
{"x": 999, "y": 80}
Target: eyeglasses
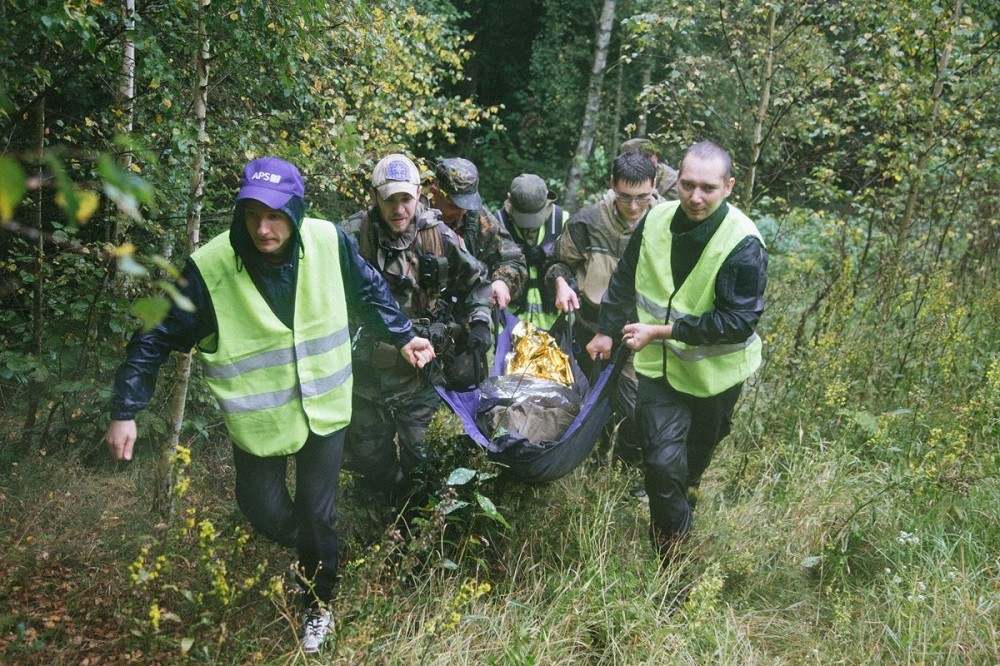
{"x": 636, "y": 198}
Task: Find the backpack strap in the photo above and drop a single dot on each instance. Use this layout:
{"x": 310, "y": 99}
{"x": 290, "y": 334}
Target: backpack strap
{"x": 555, "y": 222}
{"x": 367, "y": 243}
{"x": 429, "y": 239}
{"x": 433, "y": 262}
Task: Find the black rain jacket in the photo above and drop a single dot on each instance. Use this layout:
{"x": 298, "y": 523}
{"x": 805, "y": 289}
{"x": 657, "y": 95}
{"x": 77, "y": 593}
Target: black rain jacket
{"x": 366, "y": 292}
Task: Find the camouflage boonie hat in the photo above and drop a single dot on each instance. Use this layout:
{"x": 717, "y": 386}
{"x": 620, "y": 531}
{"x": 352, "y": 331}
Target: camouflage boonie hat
{"x": 459, "y": 179}
{"x": 641, "y": 144}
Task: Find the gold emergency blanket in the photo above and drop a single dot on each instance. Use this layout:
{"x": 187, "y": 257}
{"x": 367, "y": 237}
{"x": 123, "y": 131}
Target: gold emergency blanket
{"x": 534, "y": 352}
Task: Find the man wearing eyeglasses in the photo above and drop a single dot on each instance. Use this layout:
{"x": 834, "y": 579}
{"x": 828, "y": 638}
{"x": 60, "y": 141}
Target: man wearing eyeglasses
{"x": 586, "y": 255}
{"x": 595, "y": 238}
{"x": 666, "y": 176}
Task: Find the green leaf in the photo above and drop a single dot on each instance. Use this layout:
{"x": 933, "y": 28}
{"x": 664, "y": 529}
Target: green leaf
{"x": 40, "y": 374}
{"x": 449, "y": 506}
{"x": 812, "y": 561}
{"x": 127, "y": 190}
{"x": 12, "y": 186}
{"x": 151, "y": 311}
{"x": 490, "y": 509}
{"x": 66, "y": 194}
{"x": 75, "y": 386}
{"x": 460, "y": 476}
{"x": 165, "y": 266}
{"x": 127, "y": 264}
{"x": 186, "y": 644}
{"x": 448, "y": 564}
{"x": 866, "y": 422}
{"x": 182, "y": 301}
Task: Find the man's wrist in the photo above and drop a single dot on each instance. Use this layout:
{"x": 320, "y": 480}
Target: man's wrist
{"x": 405, "y": 339}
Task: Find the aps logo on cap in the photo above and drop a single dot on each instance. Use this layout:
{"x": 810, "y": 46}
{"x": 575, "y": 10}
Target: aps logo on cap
{"x": 269, "y": 177}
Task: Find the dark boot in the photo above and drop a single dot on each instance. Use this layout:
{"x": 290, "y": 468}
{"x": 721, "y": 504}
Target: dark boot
{"x": 665, "y": 545}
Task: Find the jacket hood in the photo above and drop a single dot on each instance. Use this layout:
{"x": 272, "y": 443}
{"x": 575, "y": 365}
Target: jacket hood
{"x": 240, "y": 239}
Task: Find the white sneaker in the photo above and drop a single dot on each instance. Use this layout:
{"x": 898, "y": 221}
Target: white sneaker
{"x": 316, "y": 625}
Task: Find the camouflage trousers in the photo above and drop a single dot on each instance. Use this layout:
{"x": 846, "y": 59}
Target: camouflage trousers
{"x": 385, "y": 440}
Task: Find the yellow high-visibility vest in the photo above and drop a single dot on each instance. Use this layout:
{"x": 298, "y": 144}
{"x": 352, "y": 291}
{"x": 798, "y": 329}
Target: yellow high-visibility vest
{"x": 276, "y": 384}
{"x": 704, "y": 370}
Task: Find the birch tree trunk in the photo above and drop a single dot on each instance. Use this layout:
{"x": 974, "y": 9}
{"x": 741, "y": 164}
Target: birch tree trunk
{"x": 647, "y": 78}
{"x": 163, "y": 502}
{"x": 126, "y": 94}
{"x": 593, "y": 108}
{"x": 616, "y": 121}
{"x": 762, "y": 106}
{"x": 34, "y": 401}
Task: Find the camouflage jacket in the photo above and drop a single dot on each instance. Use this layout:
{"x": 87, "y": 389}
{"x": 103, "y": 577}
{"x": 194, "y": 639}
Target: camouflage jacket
{"x": 587, "y": 252}
{"x": 427, "y": 252}
{"x": 489, "y": 242}
{"x": 666, "y": 181}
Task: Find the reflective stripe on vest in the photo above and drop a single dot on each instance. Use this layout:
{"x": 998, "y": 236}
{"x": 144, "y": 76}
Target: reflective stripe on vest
{"x": 276, "y": 385}
{"x": 704, "y": 370}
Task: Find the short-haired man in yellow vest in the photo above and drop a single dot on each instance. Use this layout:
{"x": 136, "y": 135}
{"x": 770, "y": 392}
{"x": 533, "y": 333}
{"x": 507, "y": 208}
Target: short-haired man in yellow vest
{"x": 271, "y": 298}
{"x": 694, "y": 273}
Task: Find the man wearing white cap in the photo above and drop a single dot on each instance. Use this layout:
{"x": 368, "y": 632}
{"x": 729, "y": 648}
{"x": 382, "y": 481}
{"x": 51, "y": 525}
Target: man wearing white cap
{"x": 426, "y": 268}
{"x": 534, "y": 221}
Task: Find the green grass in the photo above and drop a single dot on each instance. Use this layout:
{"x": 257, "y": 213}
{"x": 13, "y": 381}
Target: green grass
{"x": 905, "y": 578}
{"x": 850, "y": 518}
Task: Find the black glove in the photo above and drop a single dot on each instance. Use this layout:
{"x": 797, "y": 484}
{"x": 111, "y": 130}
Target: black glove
{"x": 480, "y": 339}
{"x": 534, "y": 253}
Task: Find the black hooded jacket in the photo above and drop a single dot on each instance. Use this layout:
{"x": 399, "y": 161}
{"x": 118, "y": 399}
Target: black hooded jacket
{"x": 365, "y": 291}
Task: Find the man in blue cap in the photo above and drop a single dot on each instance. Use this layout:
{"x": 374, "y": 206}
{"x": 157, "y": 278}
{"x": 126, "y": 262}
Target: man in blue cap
{"x": 271, "y": 297}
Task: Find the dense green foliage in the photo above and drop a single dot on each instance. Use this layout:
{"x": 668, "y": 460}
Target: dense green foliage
{"x": 850, "y": 516}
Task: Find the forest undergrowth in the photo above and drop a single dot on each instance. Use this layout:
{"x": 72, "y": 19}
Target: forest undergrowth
{"x": 849, "y": 518}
